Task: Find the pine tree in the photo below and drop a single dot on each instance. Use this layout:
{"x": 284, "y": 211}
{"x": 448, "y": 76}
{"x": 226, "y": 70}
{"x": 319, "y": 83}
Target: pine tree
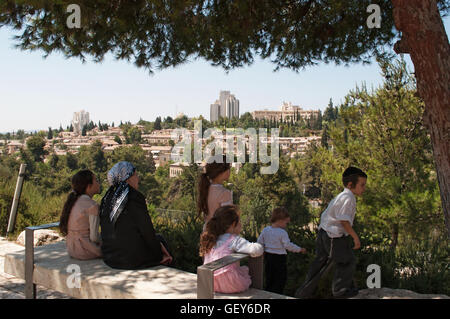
{"x": 231, "y": 34}
{"x": 157, "y": 124}
{"x": 325, "y": 137}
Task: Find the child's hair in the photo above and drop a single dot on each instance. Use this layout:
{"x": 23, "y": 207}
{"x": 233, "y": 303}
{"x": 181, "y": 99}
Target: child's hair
{"x": 351, "y": 175}
{"x": 80, "y": 182}
{"x": 222, "y": 219}
{"x": 279, "y": 213}
{"x": 212, "y": 170}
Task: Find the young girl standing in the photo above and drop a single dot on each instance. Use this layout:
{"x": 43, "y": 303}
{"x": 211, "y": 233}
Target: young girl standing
{"x": 221, "y": 238}
{"x": 212, "y": 194}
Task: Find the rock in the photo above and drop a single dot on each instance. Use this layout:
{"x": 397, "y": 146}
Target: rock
{"x": 41, "y": 237}
{"x": 388, "y": 293}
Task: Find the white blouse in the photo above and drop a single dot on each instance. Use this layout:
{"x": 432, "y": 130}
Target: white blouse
{"x": 241, "y": 245}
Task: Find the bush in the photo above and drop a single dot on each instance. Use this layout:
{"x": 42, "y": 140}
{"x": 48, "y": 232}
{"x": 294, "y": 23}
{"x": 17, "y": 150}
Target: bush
{"x": 422, "y": 266}
{"x": 182, "y": 231}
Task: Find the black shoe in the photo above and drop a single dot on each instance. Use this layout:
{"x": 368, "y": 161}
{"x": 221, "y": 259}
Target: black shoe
{"x": 349, "y": 293}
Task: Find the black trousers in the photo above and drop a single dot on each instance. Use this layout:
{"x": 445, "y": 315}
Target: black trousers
{"x": 276, "y": 272}
{"x": 330, "y": 252}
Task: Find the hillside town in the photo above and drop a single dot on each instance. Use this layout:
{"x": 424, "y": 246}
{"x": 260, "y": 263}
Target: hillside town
{"x": 160, "y": 143}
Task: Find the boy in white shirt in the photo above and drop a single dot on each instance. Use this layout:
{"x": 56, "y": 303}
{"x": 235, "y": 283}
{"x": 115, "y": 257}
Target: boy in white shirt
{"x": 276, "y": 241}
{"x": 332, "y": 244}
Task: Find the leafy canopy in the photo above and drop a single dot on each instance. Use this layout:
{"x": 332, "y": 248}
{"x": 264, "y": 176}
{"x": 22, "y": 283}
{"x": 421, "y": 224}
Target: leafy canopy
{"x": 158, "y": 34}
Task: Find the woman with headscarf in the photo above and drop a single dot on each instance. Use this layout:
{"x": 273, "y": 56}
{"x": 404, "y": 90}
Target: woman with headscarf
{"x": 129, "y": 240}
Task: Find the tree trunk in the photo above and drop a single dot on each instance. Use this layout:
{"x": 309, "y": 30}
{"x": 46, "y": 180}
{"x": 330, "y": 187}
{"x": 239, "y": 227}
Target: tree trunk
{"x": 424, "y": 38}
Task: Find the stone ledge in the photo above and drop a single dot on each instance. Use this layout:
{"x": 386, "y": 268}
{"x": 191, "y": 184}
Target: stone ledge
{"x": 388, "y": 293}
{"x": 100, "y": 281}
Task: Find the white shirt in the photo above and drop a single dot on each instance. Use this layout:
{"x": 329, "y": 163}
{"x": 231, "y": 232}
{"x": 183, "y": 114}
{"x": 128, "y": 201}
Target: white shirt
{"x": 342, "y": 207}
{"x": 241, "y": 245}
{"x": 276, "y": 241}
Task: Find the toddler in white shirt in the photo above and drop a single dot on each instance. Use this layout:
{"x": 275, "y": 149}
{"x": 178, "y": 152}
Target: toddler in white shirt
{"x": 276, "y": 241}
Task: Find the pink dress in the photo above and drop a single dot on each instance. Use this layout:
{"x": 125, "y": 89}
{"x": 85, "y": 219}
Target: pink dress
{"x": 232, "y": 278}
{"x": 217, "y": 196}
{"x": 83, "y": 242}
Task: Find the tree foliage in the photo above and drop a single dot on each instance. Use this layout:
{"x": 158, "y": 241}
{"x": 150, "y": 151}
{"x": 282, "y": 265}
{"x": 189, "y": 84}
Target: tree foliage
{"x": 159, "y": 34}
{"x": 381, "y": 132}
{"x": 35, "y": 145}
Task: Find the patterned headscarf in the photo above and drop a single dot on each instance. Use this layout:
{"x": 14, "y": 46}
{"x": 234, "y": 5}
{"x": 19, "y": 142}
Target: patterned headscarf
{"x": 117, "y": 177}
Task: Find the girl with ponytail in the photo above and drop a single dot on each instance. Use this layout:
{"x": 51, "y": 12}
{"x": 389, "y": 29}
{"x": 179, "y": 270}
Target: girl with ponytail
{"x": 79, "y": 220}
{"x": 221, "y": 238}
{"x": 211, "y": 193}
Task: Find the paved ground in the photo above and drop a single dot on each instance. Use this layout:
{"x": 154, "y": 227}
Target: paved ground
{"x": 13, "y": 288}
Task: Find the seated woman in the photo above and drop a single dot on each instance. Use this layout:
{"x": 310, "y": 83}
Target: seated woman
{"x": 129, "y": 240}
{"x": 79, "y": 219}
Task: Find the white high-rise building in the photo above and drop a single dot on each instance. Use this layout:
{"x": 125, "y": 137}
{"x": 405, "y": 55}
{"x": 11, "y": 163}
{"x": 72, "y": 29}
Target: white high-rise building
{"x": 223, "y": 97}
{"x": 226, "y": 106}
{"x": 232, "y": 107}
{"x": 214, "y": 111}
{"x": 79, "y": 120}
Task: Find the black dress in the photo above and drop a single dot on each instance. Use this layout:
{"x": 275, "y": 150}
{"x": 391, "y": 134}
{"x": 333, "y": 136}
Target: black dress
{"x": 132, "y": 242}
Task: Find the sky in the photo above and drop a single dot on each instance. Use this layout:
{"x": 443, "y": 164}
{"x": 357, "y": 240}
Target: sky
{"x": 36, "y": 93}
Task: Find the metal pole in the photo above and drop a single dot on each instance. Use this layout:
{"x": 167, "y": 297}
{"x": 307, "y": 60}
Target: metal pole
{"x": 15, "y": 204}
{"x": 30, "y": 287}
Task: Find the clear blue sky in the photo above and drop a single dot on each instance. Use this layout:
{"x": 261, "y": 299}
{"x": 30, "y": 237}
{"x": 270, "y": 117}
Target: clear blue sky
{"x": 37, "y": 93}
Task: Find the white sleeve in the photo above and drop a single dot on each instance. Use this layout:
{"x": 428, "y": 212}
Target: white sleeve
{"x": 94, "y": 222}
{"x": 288, "y": 245}
{"x": 241, "y": 245}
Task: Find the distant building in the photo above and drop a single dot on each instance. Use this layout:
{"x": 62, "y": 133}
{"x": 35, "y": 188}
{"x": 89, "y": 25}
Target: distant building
{"x": 176, "y": 169}
{"x": 287, "y": 112}
{"x": 180, "y": 115}
{"x": 214, "y": 112}
{"x": 14, "y": 146}
{"x": 227, "y": 106}
{"x": 80, "y": 119}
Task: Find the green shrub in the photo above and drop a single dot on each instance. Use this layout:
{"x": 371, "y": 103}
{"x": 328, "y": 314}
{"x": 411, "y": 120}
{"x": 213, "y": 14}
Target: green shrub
{"x": 422, "y": 266}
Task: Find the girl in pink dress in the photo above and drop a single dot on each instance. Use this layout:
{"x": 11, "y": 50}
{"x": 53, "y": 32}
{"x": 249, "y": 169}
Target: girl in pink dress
{"x": 221, "y": 238}
{"x": 79, "y": 220}
{"x": 212, "y": 194}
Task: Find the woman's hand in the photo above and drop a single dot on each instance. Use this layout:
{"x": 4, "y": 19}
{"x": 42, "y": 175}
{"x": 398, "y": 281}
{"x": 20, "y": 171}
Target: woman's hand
{"x": 167, "y": 259}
